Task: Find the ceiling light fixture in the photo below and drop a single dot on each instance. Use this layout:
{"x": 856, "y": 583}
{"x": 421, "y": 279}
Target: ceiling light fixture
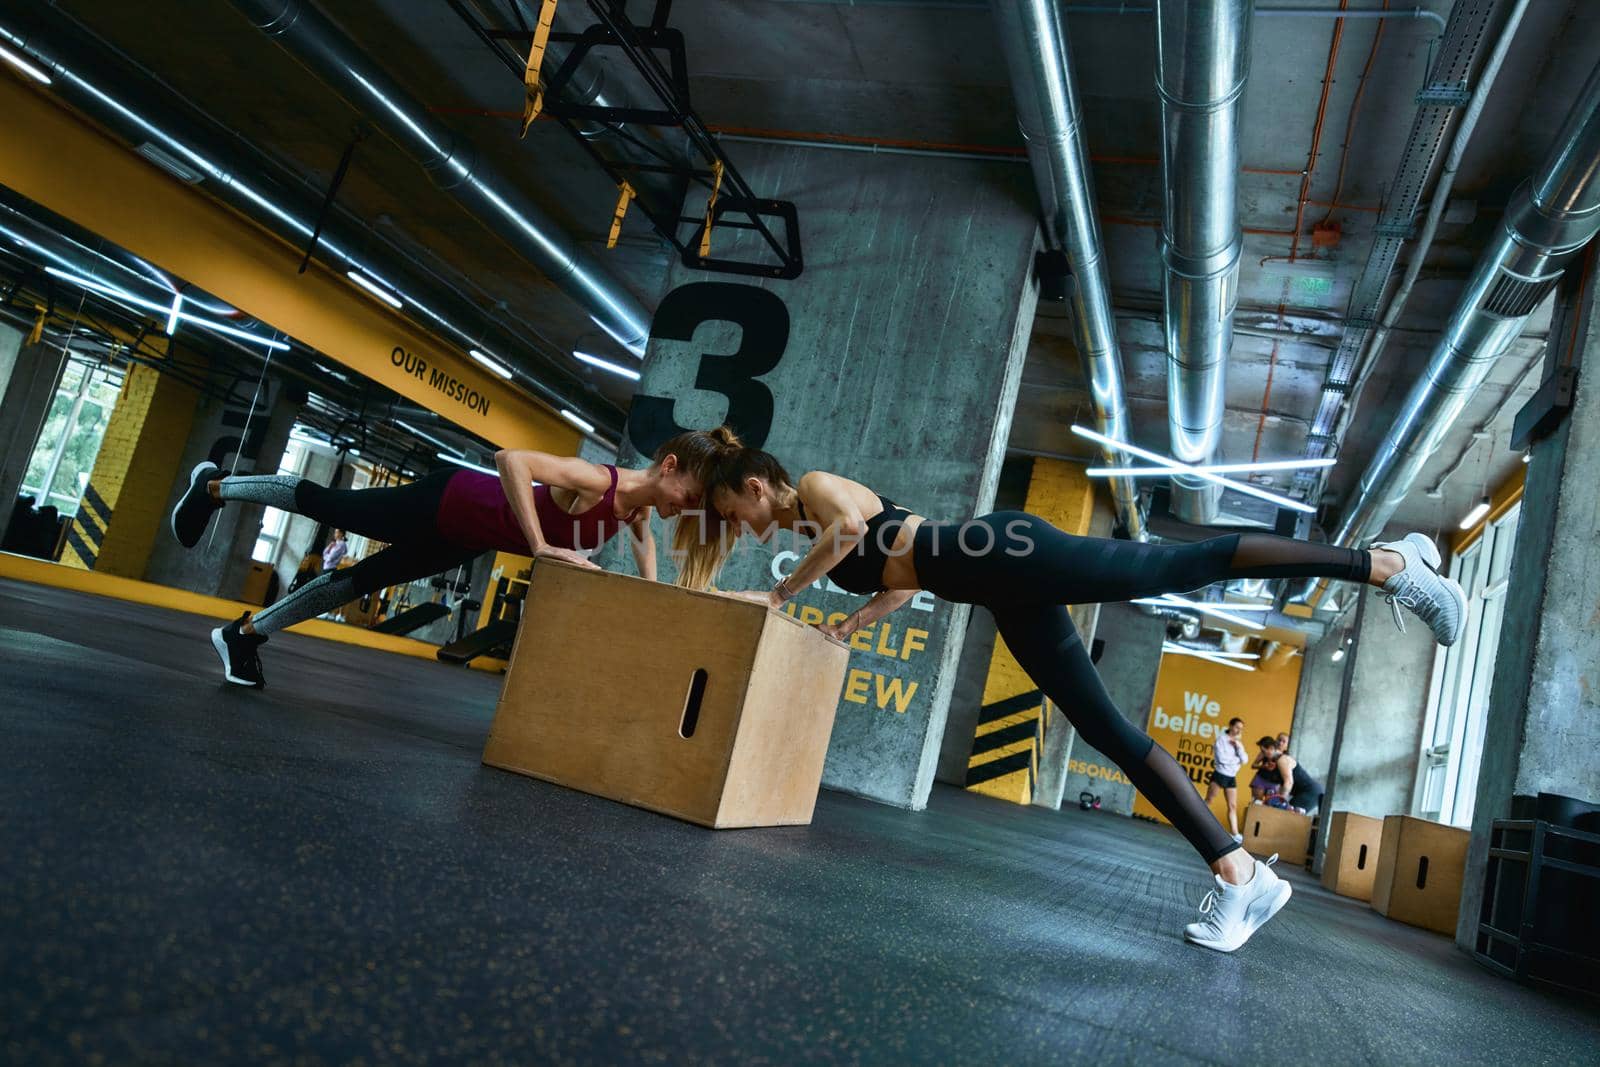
{"x": 606, "y": 364}
{"x": 426, "y": 437}
{"x": 586, "y": 427}
{"x": 1478, "y": 512}
{"x": 150, "y": 305}
{"x": 36, "y": 73}
{"x": 1338, "y": 654}
{"x": 172, "y": 315}
{"x": 490, "y": 362}
{"x": 458, "y": 461}
{"x": 1174, "y": 467}
{"x": 1168, "y": 600}
{"x": 1212, "y": 468}
{"x": 1210, "y": 657}
{"x": 374, "y": 288}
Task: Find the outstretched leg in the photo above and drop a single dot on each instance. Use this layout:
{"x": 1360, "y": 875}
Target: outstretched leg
{"x": 238, "y": 642}
{"x": 1047, "y": 646}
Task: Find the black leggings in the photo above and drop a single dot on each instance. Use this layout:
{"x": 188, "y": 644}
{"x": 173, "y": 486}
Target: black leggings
{"x": 1025, "y": 571}
{"x": 404, "y": 517}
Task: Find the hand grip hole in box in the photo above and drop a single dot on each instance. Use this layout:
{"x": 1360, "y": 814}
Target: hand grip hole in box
{"x": 1422, "y": 872}
{"x": 691, "y": 703}
{"x": 1361, "y": 859}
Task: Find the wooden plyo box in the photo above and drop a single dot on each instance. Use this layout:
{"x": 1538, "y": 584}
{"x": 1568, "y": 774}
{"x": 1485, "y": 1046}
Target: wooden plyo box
{"x": 703, "y": 706}
{"x": 1421, "y": 865}
{"x": 1354, "y": 844}
{"x": 1268, "y": 830}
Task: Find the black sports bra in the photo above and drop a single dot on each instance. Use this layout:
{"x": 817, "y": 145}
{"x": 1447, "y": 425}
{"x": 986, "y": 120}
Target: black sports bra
{"x": 862, "y": 570}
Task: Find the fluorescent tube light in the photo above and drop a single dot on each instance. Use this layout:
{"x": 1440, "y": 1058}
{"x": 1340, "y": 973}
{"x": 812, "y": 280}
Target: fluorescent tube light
{"x": 458, "y": 461}
{"x": 32, "y": 71}
{"x": 1175, "y": 467}
{"x": 606, "y": 364}
{"x": 374, "y": 288}
{"x": 1478, "y": 512}
{"x": 586, "y": 427}
{"x": 1209, "y": 657}
{"x": 1213, "y": 468}
{"x": 490, "y": 362}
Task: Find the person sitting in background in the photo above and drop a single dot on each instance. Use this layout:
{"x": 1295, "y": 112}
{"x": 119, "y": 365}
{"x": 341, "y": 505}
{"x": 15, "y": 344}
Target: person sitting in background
{"x": 337, "y": 547}
{"x": 1226, "y": 759}
{"x": 1267, "y": 782}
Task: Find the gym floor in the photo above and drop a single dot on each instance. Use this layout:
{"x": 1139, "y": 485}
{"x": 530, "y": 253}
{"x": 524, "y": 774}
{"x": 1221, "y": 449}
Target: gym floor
{"x": 323, "y": 871}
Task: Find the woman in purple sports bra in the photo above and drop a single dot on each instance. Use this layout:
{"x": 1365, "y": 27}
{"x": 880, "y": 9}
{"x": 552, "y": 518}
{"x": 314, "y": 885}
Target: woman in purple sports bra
{"x": 552, "y": 507}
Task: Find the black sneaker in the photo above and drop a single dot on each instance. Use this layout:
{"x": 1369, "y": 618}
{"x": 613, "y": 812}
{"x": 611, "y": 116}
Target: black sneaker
{"x": 237, "y": 650}
{"x": 195, "y": 507}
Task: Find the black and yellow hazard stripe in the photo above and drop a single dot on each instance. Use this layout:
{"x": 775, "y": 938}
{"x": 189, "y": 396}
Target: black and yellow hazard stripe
{"x": 88, "y": 530}
{"x": 1006, "y": 747}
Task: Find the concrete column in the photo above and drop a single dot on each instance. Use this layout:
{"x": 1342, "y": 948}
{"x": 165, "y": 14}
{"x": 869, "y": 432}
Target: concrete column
{"x": 218, "y": 432}
{"x": 28, "y": 387}
{"x": 1543, "y": 722}
{"x": 123, "y": 509}
{"x": 1389, "y": 671}
{"x": 894, "y": 359}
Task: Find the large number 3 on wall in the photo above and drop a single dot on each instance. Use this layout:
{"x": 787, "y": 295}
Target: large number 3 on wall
{"x": 764, "y": 321}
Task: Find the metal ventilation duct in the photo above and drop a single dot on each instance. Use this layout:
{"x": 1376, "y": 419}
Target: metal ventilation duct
{"x": 1034, "y": 39}
{"x": 1549, "y": 220}
{"x": 338, "y": 62}
{"x": 1202, "y": 62}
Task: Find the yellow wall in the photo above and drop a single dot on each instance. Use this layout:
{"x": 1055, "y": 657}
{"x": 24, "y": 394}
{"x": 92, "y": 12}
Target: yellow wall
{"x": 1193, "y": 702}
{"x": 1011, "y": 724}
{"x": 124, "y": 505}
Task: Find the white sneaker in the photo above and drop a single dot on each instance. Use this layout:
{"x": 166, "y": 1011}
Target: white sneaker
{"x": 1418, "y": 586}
{"x": 1229, "y": 914}
{"x": 1238, "y": 839}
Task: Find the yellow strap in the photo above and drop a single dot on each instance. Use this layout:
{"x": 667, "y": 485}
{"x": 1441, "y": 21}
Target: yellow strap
{"x": 623, "y": 200}
{"x": 716, "y": 187}
{"x": 37, "y": 333}
{"x": 533, "y": 99}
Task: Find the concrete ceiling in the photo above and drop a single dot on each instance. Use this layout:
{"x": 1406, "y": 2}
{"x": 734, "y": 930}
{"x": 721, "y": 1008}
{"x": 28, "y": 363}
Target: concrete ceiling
{"x": 931, "y": 73}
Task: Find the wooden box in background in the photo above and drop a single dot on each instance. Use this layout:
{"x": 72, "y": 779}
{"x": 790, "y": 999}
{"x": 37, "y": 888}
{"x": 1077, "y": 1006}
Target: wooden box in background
{"x": 1354, "y": 842}
{"x": 1268, "y": 830}
{"x": 1420, "y": 868}
{"x": 255, "y": 583}
{"x": 703, "y": 706}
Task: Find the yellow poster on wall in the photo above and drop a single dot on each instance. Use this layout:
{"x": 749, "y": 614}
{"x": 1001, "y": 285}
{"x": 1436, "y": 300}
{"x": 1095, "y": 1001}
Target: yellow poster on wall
{"x": 1193, "y": 702}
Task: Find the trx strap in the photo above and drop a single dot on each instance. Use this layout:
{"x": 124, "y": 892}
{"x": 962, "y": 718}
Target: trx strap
{"x": 37, "y": 333}
{"x": 533, "y": 99}
{"x": 716, "y": 187}
{"x": 623, "y": 200}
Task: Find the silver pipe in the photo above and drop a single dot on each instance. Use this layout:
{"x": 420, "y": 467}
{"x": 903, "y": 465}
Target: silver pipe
{"x": 94, "y": 80}
{"x": 338, "y": 62}
{"x": 1034, "y": 40}
{"x": 1202, "y": 64}
{"x": 1441, "y": 197}
{"x": 871, "y": 147}
{"x": 1550, "y": 218}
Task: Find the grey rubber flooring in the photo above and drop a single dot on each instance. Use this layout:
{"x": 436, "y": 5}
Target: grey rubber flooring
{"x": 323, "y": 872}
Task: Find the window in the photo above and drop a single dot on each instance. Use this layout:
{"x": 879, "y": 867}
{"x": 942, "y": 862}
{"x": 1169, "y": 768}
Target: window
{"x": 64, "y": 455}
{"x": 273, "y": 521}
{"x": 1458, "y": 701}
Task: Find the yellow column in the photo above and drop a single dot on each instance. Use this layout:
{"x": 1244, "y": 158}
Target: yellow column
{"x": 1011, "y": 725}
{"x": 124, "y": 505}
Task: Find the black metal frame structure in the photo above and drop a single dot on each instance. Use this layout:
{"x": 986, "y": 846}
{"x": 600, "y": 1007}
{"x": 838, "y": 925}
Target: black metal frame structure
{"x": 1517, "y": 934}
{"x": 737, "y": 206}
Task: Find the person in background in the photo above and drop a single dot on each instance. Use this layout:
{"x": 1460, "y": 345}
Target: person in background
{"x": 1300, "y": 788}
{"x": 337, "y": 547}
{"x": 1267, "y": 781}
{"x": 1226, "y": 759}
{"x": 1283, "y": 744}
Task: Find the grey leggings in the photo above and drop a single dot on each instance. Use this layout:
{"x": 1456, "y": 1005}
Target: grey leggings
{"x": 403, "y": 516}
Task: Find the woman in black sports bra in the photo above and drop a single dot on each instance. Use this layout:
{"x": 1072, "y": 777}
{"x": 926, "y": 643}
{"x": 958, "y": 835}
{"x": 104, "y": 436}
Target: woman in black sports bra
{"x": 1025, "y": 571}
